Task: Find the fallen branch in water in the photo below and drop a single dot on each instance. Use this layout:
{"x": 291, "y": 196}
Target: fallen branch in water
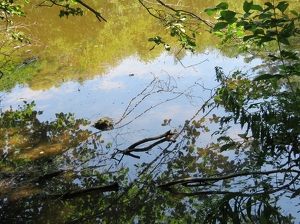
{"x": 215, "y": 179}
{"x": 196, "y": 182}
{"x": 162, "y": 138}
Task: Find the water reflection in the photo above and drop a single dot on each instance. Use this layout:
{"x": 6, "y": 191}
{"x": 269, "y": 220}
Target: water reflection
{"x": 75, "y": 156}
{"x": 49, "y": 156}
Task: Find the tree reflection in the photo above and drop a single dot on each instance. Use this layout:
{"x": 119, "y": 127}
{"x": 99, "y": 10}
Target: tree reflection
{"x": 55, "y": 172}
{"x": 60, "y": 171}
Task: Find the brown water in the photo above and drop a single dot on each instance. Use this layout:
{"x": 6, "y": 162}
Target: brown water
{"x": 94, "y": 69}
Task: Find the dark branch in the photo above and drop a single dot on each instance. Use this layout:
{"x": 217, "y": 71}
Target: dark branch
{"x": 162, "y": 138}
{"x": 97, "y": 14}
{"x": 214, "y": 179}
{"x": 54, "y": 2}
{"x": 87, "y": 191}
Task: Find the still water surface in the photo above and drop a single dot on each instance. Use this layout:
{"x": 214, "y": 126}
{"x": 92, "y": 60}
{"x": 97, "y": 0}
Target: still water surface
{"x": 94, "y": 73}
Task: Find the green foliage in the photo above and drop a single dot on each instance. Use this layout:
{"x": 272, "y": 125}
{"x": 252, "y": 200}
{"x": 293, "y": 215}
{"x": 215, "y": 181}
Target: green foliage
{"x": 267, "y": 111}
{"x": 27, "y": 138}
{"x": 69, "y": 10}
{"x": 10, "y": 34}
{"x": 158, "y": 40}
{"x": 178, "y": 25}
{"x": 276, "y": 116}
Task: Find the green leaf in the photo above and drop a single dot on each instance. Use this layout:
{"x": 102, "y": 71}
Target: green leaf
{"x": 294, "y": 12}
{"x": 243, "y": 135}
{"x": 257, "y": 8}
{"x": 270, "y": 6}
{"x": 245, "y": 38}
{"x": 267, "y": 77}
{"x": 242, "y": 23}
{"x": 211, "y": 11}
{"x": 224, "y": 138}
{"x": 220, "y": 25}
{"x": 265, "y": 39}
{"x": 273, "y": 57}
{"x": 289, "y": 55}
{"x": 228, "y": 15}
{"x": 227, "y": 146}
{"x": 282, "y": 6}
{"x": 247, "y": 6}
{"x": 259, "y": 31}
{"x": 223, "y": 6}
{"x": 284, "y": 40}
{"x": 265, "y": 16}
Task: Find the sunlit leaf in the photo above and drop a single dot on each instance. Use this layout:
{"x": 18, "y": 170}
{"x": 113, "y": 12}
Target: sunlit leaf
{"x": 210, "y": 11}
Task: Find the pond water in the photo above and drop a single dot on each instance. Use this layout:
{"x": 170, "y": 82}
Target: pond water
{"x": 93, "y": 70}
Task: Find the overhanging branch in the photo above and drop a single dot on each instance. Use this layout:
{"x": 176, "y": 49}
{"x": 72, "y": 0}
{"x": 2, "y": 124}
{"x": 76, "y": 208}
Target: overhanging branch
{"x": 97, "y": 14}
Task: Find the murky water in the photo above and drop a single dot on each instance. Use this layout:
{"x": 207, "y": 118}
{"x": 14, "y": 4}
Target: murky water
{"x": 93, "y": 70}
